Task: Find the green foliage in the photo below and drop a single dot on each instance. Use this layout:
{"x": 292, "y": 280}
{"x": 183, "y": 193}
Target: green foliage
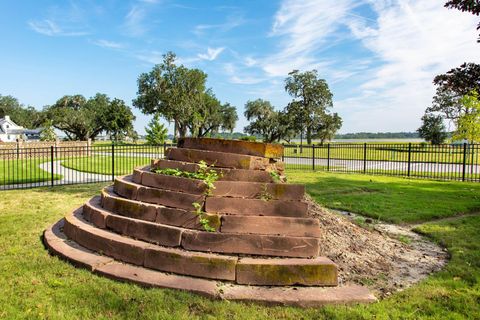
{"x": 48, "y": 133}
{"x": 265, "y": 121}
{"x": 451, "y": 87}
{"x": 25, "y": 116}
{"x": 179, "y": 95}
{"x": 432, "y": 129}
{"x": 309, "y": 108}
{"x": 468, "y": 125}
{"x": 204, "y": 173}
{"x": 82, "y": 119}
{"x": 249, "y": 138}
{"x": 156, "y": 132}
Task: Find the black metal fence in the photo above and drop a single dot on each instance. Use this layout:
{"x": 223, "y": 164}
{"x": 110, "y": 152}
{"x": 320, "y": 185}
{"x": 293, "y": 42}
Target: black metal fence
{"x": 51, "y": 166}
{"x": 445, "y": 162}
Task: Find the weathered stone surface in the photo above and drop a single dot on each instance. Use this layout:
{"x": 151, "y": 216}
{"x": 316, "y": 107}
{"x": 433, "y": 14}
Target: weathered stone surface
{"x": 104, "y": 242}
{"x": 266, "y": 245}
{"x": 186, "y": 219}
{"x": 320, "y": 271}
{"x": 169, "y": 198}
{"x": 255, "y": 190}
{"x": 295, "y": 227}
{"x": 162, "y": 181}
{"x": 267, "y": 150}
{"x": 152, "y": 232}
{"x": 137, "y": 175}
{"x": 225, "y": 173}
{"x": 191, "y": 263}
{"x": 256, "y": 207}
{"x": 93, "y": 212}
{"x": 152, "y": 278}
{"x": 299, "y": 296}
{"x": 128, "y": 208}
{"x": 58, "y": 244}
{"x": 218, "y": 159}
{"x": 125, "y": 187}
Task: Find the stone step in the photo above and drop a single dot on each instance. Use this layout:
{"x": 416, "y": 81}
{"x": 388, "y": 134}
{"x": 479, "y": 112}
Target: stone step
{"x": 224, "y": 173}
{"x": 259, "y": 149}
{"x": 168, "y": 182}
{"x": 258, "y": 190}
{"x": 125, "y": 187}
{"x": 58, "y": 244}
{"x": 296, "y": 227}
{"x": 199, "y": 264}
{"x": 219, "y": 159}
{"x": 256, "y": 207}
{"x": 233, "y": 243}
{"x": 160, "y": 234}
{"x": 238, "y": 189}
{"x": 155, "y": 213}
{"x": 251, "y": 244}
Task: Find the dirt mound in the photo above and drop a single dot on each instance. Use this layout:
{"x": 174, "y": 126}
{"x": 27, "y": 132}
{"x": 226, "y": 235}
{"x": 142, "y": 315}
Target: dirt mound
{"x": 373, "y": 255}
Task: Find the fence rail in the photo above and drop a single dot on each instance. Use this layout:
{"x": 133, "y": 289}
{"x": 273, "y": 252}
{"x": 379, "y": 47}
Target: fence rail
{"x": 60, "y": 165}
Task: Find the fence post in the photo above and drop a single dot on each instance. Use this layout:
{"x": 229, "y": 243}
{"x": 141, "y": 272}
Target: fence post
{"x": 328, "y": 157}
{"x": 113, "y": 161}
{"x": 164, "y": 149}
{"x": 365, "y": 157}
{"x": 313, "y": 157}
{"x": 464, "y": 160}
{"x": 51, "y": 166}
{"x": 283, "y": 153}
{"x": 409, "y": 158}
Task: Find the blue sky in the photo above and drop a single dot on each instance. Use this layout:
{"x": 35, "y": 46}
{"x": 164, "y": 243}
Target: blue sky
{"x": 379, "y": 57}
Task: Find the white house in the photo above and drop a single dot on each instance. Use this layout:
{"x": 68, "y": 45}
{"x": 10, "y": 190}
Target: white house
{"x": 10, "y": 131}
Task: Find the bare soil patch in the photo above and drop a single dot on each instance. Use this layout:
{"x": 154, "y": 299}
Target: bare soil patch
{"x": 384, "y": 257}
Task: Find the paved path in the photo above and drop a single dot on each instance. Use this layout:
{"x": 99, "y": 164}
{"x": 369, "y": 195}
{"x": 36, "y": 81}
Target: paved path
{"x": 69, "y": 176}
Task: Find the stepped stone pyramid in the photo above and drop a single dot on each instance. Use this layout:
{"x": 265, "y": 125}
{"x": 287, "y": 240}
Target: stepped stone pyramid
{"x": 264, "y": 246}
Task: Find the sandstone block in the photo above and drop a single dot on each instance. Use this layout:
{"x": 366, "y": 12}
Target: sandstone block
{"x": 253, "y": 190}
{"x": 93, "y": 213}
{"x": 295, "y": 227}
{"x": 125, "y": 187}
{"x": 320, "y": 271}
{"x": 128, "y": 208}
{"x": 218, "y": 159}
{"x": 191, "y": 263}
{"x": 147, "y": 231}
{"x": 169, "y": 198}
{"x": 256, "y": 207}
{"x": 254, "y": 244}
{"x": 225, "y": 173}
{"x": 266, "y": 150}
{"x": 162, "y": 181}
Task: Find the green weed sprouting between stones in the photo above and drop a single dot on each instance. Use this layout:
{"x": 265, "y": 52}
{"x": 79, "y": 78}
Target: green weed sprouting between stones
{"x": 204, "y": 173}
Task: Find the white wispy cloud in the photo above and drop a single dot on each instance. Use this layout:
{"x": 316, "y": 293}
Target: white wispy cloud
{"x": 303, "y": 29}
{"x": 211, "y": 54}
{"x": 414, "y": 41}
{"x": 134, "y": 20}
{"x": 108, "y": 44}
{"x": 51, "y": 28}
{"x": 231, "y": 23}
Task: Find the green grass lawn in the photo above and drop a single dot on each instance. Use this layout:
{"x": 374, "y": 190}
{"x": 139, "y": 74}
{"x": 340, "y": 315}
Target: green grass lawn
{"x": 35, "y": 285}
{"x": 24, "y": 171}
{"x": 398, "y": 200}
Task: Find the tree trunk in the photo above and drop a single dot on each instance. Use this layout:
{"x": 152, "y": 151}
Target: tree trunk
{"x": 301, "y": 141}
{"x": 309, "y": 136}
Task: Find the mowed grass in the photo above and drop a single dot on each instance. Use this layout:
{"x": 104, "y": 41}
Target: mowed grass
{"x": 392, "y": 199}
{"x": 24, "y": 171}
{"x": 35, "y": 285}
